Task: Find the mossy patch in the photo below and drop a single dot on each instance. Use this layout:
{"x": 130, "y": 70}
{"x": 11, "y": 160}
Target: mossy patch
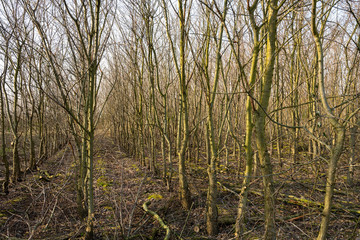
{"x": 109, "y": 208}
{"x": 105, "y": 183}
{"x": 14, "y": 200}
{"x": 155, "y": 196}
{"x": 3, "y": 218}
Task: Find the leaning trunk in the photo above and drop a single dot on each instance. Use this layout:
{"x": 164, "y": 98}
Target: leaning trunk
{"x": 330, "y": 181}
{"x": 338, "y": 127}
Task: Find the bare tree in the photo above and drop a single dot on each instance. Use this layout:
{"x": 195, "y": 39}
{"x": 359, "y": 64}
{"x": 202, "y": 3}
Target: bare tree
{"x": 85, "y": 24}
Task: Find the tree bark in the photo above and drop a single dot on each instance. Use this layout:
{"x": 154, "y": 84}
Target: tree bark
{"x": 337, "y": 148}
{"x": 261, "y": 139}
{"x": 242, "y": 206}
{"x": 184, "y": 192}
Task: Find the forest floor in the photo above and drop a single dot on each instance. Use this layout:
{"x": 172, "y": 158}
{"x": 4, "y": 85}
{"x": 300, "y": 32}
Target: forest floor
{"x": 43, "y": 206}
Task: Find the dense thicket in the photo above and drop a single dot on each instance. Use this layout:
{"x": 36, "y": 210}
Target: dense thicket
{"x": 252, "y": 88}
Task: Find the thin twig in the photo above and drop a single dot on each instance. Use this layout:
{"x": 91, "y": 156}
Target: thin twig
{"x": 133, "y": 208}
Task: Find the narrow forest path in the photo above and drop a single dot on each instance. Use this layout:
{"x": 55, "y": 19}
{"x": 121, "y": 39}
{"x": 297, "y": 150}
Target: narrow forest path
{"x": 43, "y": 206}
{"x": 124, "y": 186}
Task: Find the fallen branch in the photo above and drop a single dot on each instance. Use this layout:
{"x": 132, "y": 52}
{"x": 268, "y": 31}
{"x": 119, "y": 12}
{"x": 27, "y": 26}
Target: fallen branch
{"x": 337, "y": 191}
{"x": 158, "y": 218}
{"x": 228, "y": 189}
{"x": 306, "y": 203}
{"x": 298, "y": 201}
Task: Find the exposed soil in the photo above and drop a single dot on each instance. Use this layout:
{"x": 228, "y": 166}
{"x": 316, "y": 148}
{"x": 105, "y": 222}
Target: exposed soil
{"x": 43, "y": 206}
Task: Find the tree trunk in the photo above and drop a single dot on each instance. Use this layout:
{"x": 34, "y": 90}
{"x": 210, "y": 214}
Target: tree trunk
{"x": 211, "y": 206}
{"x": 184, "y": 191}
{"x": 3, "y": 140}
{"x": 32, "y": 164}
{"x": 261, "y": 139}
{"x": 350, "y": 173}
{"x": 330, "y": 181}
{"x": 337, "y": 148}
{"x": 242, "y": 206}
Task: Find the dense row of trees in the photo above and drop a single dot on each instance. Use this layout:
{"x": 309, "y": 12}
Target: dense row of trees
{"x": 200, "y": 80}
{"x": 52, "y": 52}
